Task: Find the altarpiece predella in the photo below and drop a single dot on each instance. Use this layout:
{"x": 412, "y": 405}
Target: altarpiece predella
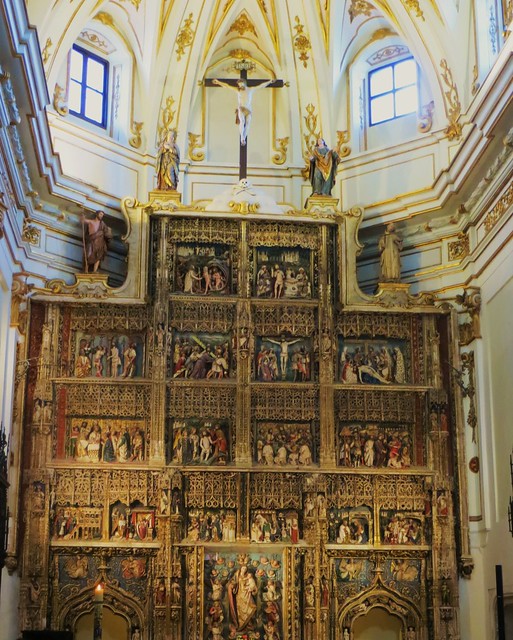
{"x": 255, "y": 449}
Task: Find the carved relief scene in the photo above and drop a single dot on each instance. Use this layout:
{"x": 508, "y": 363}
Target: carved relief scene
{"x": 274, "y": 526}
{"x": 373, "y": 362}
{"x": 107, "y": 440}
{"x": 283, "y": 359}
{"x": 283, "y": 444}
{"x": 350, "y": 526}
{"x": 211, "y": 525}
{"x": 193, "y": 441}
{"x": 283, "y": 272}
{"x": 202, "y": 356}
{"x": 375, "y": 445}
{"x": 108, "y": 356}
{"x": 203, "y": 269}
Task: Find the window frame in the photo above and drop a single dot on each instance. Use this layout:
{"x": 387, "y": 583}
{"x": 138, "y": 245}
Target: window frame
{"x": 392, "y": 91}
{"x": 86, "y": 56}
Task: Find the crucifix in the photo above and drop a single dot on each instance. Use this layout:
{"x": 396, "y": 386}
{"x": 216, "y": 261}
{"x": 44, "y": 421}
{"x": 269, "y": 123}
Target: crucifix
{"x": 245, "y": 89}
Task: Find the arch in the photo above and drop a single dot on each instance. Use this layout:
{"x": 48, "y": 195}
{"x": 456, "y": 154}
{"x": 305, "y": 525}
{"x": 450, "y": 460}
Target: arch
{"x": 118, "y": 601}
{"x": 379, "y": 596}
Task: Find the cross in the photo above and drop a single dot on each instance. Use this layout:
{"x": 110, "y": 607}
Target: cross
{"x": 242, "y": 110}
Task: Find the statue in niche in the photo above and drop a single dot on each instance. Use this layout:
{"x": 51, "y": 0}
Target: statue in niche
{"x": 96, "y": 238}
{"x": 168, "y": 161}
{"x": 323, "y": 168}
{"x": 390, "y": 245}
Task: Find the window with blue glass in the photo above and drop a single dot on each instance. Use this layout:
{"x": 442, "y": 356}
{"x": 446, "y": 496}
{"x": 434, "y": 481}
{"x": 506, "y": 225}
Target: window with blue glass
{"x": 88, "y": 86}
{"x": 393, "y": 91}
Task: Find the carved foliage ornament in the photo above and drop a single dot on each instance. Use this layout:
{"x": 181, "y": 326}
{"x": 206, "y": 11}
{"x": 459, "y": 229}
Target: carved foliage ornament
{"x": 185, "y": 37}
{"x": 359, "y": 8}
{"x": 453, "y": 105}
{"x": 302, "y": 42}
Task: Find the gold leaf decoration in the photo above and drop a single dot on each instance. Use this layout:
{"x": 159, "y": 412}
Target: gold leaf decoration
{"x": 185, "y": 37}
{"x": 135, "y": 140}
{"x": 359, "y": 8}
{"x": 195, "y": 143}
{"x": 45, "y": 54}
{"x": 302, "y": 42}
{"x": 413, "y": 7}
{"x": 242, "y": 25}
{"x": 453, "y": 130}
{"x": 281, "y": 151}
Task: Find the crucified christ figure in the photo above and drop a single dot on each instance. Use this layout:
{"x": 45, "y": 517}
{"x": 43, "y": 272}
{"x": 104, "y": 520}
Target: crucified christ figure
{"x": 244, "y": 96}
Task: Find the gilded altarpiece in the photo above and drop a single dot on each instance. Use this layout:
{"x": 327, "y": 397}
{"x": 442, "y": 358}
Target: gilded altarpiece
{"x": 247, "y": 453}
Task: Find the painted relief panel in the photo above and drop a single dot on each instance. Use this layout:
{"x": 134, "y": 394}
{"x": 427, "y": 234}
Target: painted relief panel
{"x": 77, "y": 523}
{"x": 283, "y": 444}
{"x": 373, "y": 361}
{"x": 200, "y": 441}
{"x": 203, "y": 269}
{"x": 131, "y": 574}
{"x": 108, "y": 356}
{"x": 243, "y": 596}
{"x": 350, "y": 526}
{"x": 106, "y": 440}
{"x": 283, "y": 272}
{"x": 283, "y": 359}
{"x": 353, "y": 575}
{"x": 274, "y": 526}
{"x": 201, "y": 356}
{"x": 375, "y": 445}
{"x": 398, "y": 528}
{"x": 132, "y": 524}
{"x": 211, "y": 525}
{"x": 76, "y": 572}
{"x": 403, "y": 575}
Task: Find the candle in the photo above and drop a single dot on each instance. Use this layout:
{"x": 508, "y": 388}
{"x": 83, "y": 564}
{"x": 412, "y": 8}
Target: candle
{"x": 98, "y": 593}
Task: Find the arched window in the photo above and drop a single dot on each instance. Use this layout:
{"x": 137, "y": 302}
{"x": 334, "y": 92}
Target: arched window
{"x": 393, "y": 91}
{"x": 88, "y": 86}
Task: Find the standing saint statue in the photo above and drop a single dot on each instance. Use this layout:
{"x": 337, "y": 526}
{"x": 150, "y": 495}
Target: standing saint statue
{"x": 96, "y": 238}
{"x": 168, "y": 161}
{"x": 323, "y": 168}
{"x": 390, "y": 245}
{"x": 244, "y": 97}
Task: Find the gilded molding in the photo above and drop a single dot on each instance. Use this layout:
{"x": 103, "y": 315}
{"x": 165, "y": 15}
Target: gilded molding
{"x": 60, "y": 101}
{"x": 425, "y": 121}
{"x": 475, "y": 80}
{"x": 302, "y": 43}
{"x": 136, "y": 3}
{"x": 185, "y": 37}
{"x": 460, "y": 248}
{"x": 242, "y": 25}
{"x": 195, "y": 143}
{"x": 135, "y": 140}
{"x": 168, "y": 116}
{"x": 105, "y": 18}
{"x": 413, "y": 7}
{"x": 359, "y": 8}
{"x": 280, "y": 156}
{"x": 30, "y": 233}
{"x": 45, "y": 54}
{"x": 453, "y": 105}
{"x": 499, "y": 209}
{"x": 341, "y": 147}
{"x": 507, "y": 12}
{"x": 310, "y": 137}
{"x": 87, "y": 285}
